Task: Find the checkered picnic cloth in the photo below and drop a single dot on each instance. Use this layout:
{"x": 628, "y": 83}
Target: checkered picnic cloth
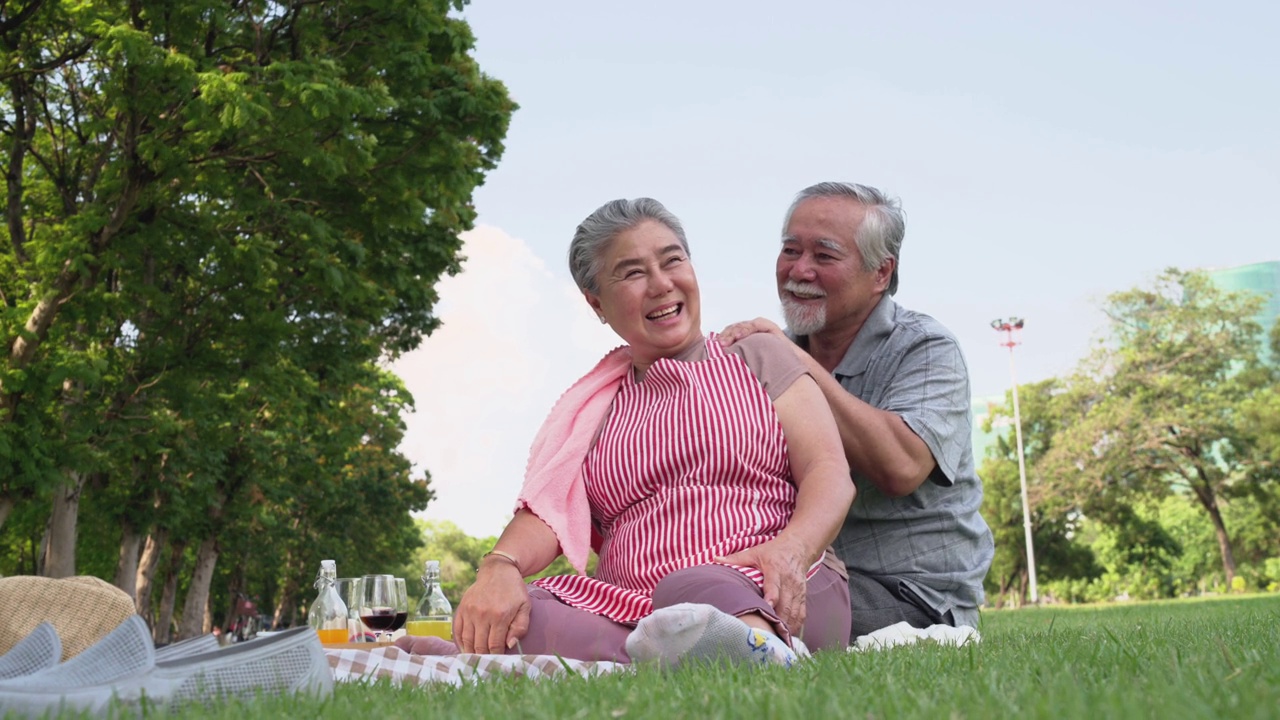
{"x": 402, "y": 668}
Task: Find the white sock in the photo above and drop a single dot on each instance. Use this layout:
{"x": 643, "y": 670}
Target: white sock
{"x": 802, "y": 650}
{"x": 691, "y": 630}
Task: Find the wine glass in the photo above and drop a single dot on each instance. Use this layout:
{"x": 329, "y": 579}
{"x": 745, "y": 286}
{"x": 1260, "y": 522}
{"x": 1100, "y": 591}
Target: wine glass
{"x": 348, "y": 589}
{"x": 378, "y": 603}
{"x": 402, "y": 605}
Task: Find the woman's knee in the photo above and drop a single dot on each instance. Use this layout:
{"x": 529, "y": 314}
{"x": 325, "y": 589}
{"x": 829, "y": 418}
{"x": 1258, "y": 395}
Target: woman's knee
{"x": 707, "y": 584}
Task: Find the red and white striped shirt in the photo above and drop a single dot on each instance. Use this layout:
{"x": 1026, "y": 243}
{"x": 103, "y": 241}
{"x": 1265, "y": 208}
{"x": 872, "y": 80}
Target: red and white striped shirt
{"x": 691, "y": 464}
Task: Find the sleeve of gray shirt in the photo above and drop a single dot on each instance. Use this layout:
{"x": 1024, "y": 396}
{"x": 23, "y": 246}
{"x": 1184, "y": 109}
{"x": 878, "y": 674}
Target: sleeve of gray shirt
{"x": 930, "y": 392}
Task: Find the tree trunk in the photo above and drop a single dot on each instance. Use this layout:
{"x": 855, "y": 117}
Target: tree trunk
{"x": 60, "y": 551}
{"x": 235, "y": 586}
{"x": 287, "y": 597}
{"x": 164, "y": 625}
{"x": 193, "y": 609}
{"x": 1006, "y": 589}
{"x": 286, "y": 613}
{"x": 1224, "y": 542}
{"x": 1209, "y": 500}
{"x": 147, "y": 572}
{"x": 127, "y": 565}
{"x": 6, "y": 507}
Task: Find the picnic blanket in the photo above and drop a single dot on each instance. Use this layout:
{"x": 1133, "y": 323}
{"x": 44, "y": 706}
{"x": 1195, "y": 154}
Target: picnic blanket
{"x": 402, "y": 668}
{"x": 904, "y": 634}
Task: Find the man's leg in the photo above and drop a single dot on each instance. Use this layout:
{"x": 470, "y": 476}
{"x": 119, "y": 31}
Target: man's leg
{"x": 875, "y": 606}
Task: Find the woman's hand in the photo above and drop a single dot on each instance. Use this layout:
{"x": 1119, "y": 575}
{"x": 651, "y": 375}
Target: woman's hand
{"x": 494, "y": 612}
{"x": 785, "y": 565}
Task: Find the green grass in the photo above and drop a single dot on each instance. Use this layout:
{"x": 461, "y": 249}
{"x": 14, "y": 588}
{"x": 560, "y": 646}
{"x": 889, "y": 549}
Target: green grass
{"x": 1191, "y": 658}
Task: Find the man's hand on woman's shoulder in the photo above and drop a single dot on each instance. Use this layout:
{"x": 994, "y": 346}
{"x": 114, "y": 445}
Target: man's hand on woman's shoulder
{"x": 735, "y": 332}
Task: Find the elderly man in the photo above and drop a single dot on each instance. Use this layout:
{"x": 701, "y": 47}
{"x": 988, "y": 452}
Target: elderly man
{"x": 914, "y": 543}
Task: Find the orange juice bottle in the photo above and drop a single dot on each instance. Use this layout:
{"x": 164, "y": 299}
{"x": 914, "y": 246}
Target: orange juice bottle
{"x": 435, "y": 614}
{"x": 328, "y": 614}
{"x": 438, "y": 628}
{"x": 333, "y": 635}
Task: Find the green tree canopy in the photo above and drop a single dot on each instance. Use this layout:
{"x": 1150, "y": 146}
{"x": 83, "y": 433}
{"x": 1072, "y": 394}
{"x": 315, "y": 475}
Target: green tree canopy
{"x": 1159, "y": 404}
{"x": 220, "y": 217}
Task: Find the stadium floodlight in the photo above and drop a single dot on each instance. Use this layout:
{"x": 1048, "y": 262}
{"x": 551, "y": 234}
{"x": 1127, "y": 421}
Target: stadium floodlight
{"x": 1009, "y": 327}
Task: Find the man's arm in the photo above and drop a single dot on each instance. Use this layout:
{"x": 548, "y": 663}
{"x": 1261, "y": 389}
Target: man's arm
{"x": 877, "y": 443}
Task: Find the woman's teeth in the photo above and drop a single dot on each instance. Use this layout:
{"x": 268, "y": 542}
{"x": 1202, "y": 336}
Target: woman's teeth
{"x": 665, "y": 313}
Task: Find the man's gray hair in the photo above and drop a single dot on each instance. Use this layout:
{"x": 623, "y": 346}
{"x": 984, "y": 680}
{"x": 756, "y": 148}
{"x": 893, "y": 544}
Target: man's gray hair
{"x": 597, "y": 232}
{"x": 883, "y": 226}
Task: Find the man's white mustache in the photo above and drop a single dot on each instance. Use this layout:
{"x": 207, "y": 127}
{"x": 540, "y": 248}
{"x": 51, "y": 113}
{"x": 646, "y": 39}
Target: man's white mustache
{"x": 802, "y": 288}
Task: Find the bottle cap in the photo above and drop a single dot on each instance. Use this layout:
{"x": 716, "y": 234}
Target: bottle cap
{"x": 433, "y": 566}
{"x": 329, "y": 565}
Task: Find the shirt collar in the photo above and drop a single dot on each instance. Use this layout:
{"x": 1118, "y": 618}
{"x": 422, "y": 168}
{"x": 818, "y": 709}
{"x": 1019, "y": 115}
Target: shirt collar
{"x": 879, "y": 325}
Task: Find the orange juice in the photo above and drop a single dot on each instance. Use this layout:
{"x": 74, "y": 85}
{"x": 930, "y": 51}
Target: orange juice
{"x": 438, "y": 628}
{"x": 333, "y": 635}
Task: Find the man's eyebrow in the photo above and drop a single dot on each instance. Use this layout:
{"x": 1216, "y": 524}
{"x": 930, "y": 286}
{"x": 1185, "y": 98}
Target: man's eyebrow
{"x": 822, "y": 242}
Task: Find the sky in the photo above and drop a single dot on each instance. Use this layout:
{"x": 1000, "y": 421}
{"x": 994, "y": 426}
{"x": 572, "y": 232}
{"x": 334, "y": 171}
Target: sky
{"x": 1046, "y": 155}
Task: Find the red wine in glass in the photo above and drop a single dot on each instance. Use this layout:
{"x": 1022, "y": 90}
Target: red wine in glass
{"x": 399, "y": 622}
{"x": 380, "y": 618}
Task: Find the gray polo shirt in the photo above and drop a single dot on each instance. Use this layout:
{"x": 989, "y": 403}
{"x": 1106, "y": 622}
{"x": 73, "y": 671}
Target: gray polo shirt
{"x": 933, "y": 542}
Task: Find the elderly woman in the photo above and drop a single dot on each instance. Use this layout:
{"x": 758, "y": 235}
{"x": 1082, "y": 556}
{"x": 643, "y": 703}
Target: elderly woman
{"x": 710, "y": 482}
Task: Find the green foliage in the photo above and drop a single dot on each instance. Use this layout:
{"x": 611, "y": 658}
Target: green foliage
{"x": 1168, "y": 548}
{"x": 1151, "y": 470}
{"x": 222, "y": 218}
{"x": 1159, "y": 405}
{"x": 1054, "y": 523}
{"x": 460, "y": 555}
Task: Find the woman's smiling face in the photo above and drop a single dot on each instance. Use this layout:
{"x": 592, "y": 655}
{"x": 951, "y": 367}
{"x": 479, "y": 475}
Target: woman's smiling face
{"x": 649, "y": 293}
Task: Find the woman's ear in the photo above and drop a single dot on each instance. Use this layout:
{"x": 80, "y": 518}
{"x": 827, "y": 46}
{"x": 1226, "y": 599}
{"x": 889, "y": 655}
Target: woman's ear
{"x": 594, "y": 302}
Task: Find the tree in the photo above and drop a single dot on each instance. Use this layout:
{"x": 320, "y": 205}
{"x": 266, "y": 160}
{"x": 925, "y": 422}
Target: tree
{"x": 1160, "y": 402}
{"x": 216, "y": 211}
{"x": 1053, "y": 522}
{"x": 460, "y": 554}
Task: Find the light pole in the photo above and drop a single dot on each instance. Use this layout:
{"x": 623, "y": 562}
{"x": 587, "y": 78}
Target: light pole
{"x": 1009, "y": 327}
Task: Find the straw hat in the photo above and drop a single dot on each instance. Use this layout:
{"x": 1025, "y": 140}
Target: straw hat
{"x": 82, "y": 609}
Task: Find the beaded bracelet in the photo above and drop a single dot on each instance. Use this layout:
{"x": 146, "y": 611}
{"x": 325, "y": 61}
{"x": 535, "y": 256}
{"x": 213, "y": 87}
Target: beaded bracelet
{"x": 505, "y": 556}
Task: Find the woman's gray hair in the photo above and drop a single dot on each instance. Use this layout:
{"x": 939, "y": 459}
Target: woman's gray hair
{"x": 597, "y": 232}
{"x": 883, "y": 226}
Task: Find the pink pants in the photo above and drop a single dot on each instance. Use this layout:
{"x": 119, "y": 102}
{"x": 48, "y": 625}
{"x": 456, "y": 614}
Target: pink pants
{"x": 559, "y": 629}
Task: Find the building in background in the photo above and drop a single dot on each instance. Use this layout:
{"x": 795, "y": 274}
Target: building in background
{"x": 1262, "y": 278}
{"x": 981, "y": 409}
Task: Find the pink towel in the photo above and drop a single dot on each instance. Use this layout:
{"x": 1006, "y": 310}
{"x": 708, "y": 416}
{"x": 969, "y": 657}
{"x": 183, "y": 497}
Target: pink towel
{"x": 554, "y": 488}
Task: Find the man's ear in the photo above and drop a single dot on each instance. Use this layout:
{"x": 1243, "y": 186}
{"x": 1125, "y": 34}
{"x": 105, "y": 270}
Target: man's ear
{"x": 884, "y": 273}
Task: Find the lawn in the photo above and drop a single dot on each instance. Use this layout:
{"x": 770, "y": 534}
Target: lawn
{"x": 1214, "y": 658}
